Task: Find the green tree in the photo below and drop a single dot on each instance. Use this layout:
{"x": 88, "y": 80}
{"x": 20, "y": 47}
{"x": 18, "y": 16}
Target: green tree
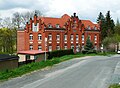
{"x": 89, "y": 45}
{"x": 102, "y": 23}
{"x": 109, "y": 24}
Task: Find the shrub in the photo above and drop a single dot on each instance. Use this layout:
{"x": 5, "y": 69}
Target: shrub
{"x": 59, "y": 53}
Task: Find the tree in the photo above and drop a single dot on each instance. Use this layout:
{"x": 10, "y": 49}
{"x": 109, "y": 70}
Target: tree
{"x": 20, "y": 19}
{"x": 89, "y": 45}
{"x": 17, "y": 20}
{"x": 102, "y": 23}
{"x": 109, "y": 24}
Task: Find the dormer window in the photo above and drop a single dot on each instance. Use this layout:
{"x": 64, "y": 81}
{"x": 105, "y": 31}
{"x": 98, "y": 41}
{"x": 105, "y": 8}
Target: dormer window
{"x": 57, "y": 26}
{"x": 95, "y": 28}
{"x": 49, "y": 26}
{"x": 89, "y": 28}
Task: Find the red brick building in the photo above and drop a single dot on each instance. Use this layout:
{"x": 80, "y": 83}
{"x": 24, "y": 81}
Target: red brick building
{"x": 61, "y": 33}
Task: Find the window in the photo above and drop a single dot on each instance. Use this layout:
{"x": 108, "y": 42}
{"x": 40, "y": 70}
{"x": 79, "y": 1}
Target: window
{"x": 95, "y": 47}
{"x": 31, "y": 47}
{"x": 72, "y": 46}
{"x": 31, "y": 36}
{"x": 95, "y": 37}
{"x": 50, "y": 48}
{"x": 82, "y": 37}
{"x": 35, "y": 27}
{"x": 39, "y": 37}
{"x": 58, "y": 37}
{"x": 82, "y": 47}
{"x": 71, "y": 37}
{"x": 77, "y": 48}
{"x": 65, "y": 47}
{"x": 49, "y": 26}
{"x": 95, "y": 28}
{"x": 89, "y": 28}
{"x": 57, "y": 26}
{"x": 65, "y": 37}
{"x": 50, "y": 37}
{"x": 39, "y": 47}
{"x": 77, "y": 37}
{"x": 58, "y": 47}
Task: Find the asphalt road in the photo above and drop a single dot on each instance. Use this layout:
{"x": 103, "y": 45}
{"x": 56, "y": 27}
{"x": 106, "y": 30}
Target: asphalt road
{"x": 86, "y": 72}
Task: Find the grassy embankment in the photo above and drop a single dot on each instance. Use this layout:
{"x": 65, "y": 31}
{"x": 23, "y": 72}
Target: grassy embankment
{"x": 4, "y": 75}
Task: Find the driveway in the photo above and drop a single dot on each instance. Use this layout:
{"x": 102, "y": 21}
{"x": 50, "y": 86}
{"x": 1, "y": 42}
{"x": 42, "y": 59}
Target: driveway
{"x": 85, "y": 72}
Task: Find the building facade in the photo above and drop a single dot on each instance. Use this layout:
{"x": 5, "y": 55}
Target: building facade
{"x": 48, "y": 34}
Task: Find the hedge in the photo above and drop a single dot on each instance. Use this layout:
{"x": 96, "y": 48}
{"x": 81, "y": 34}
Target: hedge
{"x": 59, "y": 53}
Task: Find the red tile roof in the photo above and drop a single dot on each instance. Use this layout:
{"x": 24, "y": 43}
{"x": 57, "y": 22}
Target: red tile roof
{"x": 89, "y": 23}
{"x": 53, "y": 21}
{"x": 33, "y": 52}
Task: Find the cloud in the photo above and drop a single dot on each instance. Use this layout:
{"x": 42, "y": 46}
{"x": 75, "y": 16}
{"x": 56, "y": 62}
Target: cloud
{"x": 56, "y": 8}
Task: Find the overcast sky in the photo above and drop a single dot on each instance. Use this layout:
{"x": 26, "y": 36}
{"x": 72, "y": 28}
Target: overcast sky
{"x": 85, "y": 9}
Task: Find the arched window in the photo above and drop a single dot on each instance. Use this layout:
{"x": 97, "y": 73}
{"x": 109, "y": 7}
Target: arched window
{"x": 31, "y": 37}
{"x": 31, "y": 47}
{"x": 39, "y": 37}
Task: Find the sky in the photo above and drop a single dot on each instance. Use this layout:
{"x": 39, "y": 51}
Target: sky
{"x": 85, "y": 9}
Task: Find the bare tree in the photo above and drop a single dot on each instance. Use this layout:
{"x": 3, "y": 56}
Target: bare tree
{"x": 17, "y": 19}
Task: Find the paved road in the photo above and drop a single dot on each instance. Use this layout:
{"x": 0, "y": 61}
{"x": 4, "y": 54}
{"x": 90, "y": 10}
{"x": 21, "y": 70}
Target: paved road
{"x": 86, "y": 72}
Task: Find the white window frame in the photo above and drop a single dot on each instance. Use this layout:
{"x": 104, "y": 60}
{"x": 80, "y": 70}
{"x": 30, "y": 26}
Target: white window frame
{"x": 95, "y": 37}
{"x": 39, "y": 37}
{"x": 35, "y": 27}
{"x": 82, "y": 37}
{"x": 65, "y": 37}
{"x": 57, "y": 26}
{"x": 31, "y": 37}
{"x": 57, "y": 47}
{"x": 49, "y": 26}
{"x": 58, "y": 37}
{"x": 49, "y": 48}
{"x": 77, "y": 37}
{"x": 39, "y": 47}
{"x": 65, "y": 47}
{"x": 50, "y": 37}
{"x": 30, "y": 47}
{"x": 71, "y": 37}
{"x": 72, "y": 46}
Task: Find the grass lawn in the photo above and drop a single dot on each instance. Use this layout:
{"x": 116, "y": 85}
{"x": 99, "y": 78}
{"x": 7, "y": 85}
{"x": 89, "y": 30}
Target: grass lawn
{"x": 5, "y": 75}
{"x": 115, "y": 86}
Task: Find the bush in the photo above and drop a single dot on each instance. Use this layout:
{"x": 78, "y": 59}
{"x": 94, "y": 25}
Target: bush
{"x": 60, "y": 53}
{"x": 89, "y": 51}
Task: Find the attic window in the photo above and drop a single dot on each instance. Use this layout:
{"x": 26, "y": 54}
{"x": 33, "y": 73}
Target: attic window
{"x": 57, "y": 26}
{"x": 49, "y": 26}
{"x": 95, "y": 28}
{"x": 89, "y": 28}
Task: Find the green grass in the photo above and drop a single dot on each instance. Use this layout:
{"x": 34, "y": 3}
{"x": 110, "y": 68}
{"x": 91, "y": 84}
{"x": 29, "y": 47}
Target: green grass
{"x": 115, "y": 86}
{"x": 4, "y": 75}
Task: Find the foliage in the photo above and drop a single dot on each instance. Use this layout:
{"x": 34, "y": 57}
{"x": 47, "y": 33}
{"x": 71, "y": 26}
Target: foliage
{"x": 89, "y": 45}
{"x": 59, "y": 53}
{"x": 106, "y": 25}
{"x": 8, "y": 40}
